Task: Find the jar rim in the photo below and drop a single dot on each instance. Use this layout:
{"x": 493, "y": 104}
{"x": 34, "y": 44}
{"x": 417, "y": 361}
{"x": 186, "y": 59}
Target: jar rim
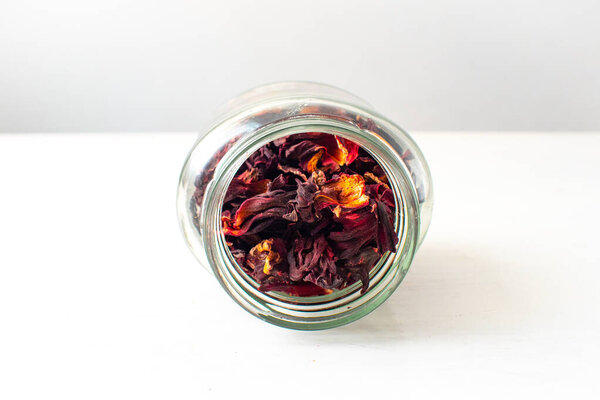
{"x": 342, "y": 306}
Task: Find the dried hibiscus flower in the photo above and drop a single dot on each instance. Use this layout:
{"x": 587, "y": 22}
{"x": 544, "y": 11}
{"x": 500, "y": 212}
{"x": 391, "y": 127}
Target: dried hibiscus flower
{"x": 309, "y": 214}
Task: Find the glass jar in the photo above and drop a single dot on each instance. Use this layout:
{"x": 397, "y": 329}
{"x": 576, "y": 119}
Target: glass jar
{"x": 272, "y": 111}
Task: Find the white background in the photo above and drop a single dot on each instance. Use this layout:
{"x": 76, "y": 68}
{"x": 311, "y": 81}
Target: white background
{"x": 101, "y": 299}
{"x": 164, "y": 65}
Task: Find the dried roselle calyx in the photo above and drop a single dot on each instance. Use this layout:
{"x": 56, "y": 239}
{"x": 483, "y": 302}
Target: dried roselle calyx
{"x": 313, "y": 260}
{"x": 246, "y": 185}
{"x": 357, "y": 229}
{"x": 360, "y": 264}
{"x": 256, "y": 213}
{"x": 344, "y": 191}
{"x": 305, "y": 200}
{"x": 266, "y": 258}
{"x": 309, "y": 213}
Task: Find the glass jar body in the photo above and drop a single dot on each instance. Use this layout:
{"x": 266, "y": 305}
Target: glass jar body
{"x": 273, "y": 111}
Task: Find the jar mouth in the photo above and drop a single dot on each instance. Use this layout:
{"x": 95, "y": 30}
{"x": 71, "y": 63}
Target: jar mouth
{"x": 341, "y": 306}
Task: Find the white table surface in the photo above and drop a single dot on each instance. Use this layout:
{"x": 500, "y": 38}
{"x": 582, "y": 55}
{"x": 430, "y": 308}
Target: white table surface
{"x": 100, "y": 298}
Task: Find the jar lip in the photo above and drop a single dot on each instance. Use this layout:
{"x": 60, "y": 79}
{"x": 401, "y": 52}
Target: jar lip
{"x": 342, "y": 306}
{"x": 280, "y": 90}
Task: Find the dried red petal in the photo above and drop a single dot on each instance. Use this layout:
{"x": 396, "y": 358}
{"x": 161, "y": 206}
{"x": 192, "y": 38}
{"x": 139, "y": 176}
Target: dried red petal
{"x": 382, "y": 192}
{"x": 338, "y": 151}
{"x": 347, "y": 191}
{"x": 305, "y": 198}
{"x": 238, "y": 189}
{"x": 265, "y": 256}
{"x": 239, "y": 255}
{"x": 361, "y": 264}
{"x": 352, "y": 149}
{"x": 264, "y": 160}
{"x": 256, "y": 224}
{"x": 358, "y": 228}
{"x": 386, "y": 235}
{"x": 313, "y": 261}
{"x": 256, "y": 204}
{"x": 308, "y": 154}
{"x": 305, "y": 256}
{"x": 296, "y": 171}
{"x": 325, "y": 274}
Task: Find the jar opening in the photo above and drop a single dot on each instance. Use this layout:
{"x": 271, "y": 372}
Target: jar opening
{"x": 341, "y": 306}
{"x": 309, "y": 218}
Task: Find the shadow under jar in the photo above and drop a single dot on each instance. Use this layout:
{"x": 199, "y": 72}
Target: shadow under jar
{"x": 272, "y": 112}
